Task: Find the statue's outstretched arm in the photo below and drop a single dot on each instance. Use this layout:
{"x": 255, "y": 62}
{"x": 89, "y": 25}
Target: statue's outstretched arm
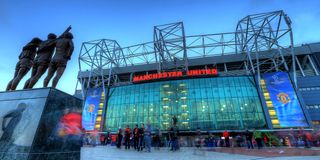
{"x": 48, "y": 45}
{"x": 67, "y": 30}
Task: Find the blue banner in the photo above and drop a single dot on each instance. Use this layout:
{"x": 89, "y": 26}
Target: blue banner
{"x": 285, "y": 100}
{"x": 90, "y": 109}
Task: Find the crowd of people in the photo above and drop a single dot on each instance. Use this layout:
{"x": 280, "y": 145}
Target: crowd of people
{"x": 136, "y": 138}
{"x": 259, "y": 139}
{"x": 144, "y": 138}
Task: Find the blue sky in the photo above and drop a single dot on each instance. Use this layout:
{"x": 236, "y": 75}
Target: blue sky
{"x": 131, "y": 22}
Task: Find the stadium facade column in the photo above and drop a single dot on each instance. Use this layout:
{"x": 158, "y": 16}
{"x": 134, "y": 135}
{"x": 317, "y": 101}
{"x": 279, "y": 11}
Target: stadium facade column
{"x": 263, "y": 103}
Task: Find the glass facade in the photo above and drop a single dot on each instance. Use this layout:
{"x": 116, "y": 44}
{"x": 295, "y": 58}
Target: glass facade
{"x": 216, "y": 103}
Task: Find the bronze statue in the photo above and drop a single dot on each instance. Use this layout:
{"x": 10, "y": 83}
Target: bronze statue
{"x": 42, "y": 60}
{"x": 25, "y": 62}
{"x": 64, "y": 49}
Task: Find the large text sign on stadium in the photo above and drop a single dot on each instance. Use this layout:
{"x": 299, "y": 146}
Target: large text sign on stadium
{"x": 173, "y": 74}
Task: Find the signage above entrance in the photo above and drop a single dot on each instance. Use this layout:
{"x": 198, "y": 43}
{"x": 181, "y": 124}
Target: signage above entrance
{"x": 174, "y": 74}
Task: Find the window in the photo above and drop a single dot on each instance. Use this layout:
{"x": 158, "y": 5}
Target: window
{"x": 216, "y": 103}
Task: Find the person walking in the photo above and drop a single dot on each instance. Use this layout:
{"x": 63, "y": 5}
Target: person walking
{"x": 199, "y": 142}
{"x": 248, "y": 136}
{"x": 309, "y": 139}
{"x": 198, "y": 138}
{"x": 107, "y": 137}
{"x": 86, "y": 139}
{"x": 239, "y": 140}
{"x": 174, "y": 137}
{"x": 102, "y": 137}
{"x": 226, "y": 138}
{"x": 136, "y": 137}
{"x": 168, "y": 138}
{"x": 147, "y": 136}
{"x": 301, "y": 135}
{"x": 292, "y": 139}
{"x": 127, "y": 136}
{"x": 119, "y": 138}
{"x": 257, "y": 135}
{"x": 214, "y": 140}
{"x": 141, "y": 138}
{"x": 158, "y": 138}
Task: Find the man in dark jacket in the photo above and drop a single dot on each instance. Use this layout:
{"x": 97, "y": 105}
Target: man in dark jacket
{"x": 174, "y": 137}
{"x": 127, "y": 136}
{"x": 248, "y": 136}
{"x": 119, "y": 138}
{"x": 136, "y": 137}
{"x": 106, "y": 138}
{"x": 141, "y": 137}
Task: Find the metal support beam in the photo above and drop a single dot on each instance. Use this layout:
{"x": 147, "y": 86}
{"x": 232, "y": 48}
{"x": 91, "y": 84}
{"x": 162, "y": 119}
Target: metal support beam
{"x": 312, "y": 65}
{"x": 299, "y": 65}
{"x": 225, "y": 67}
{"x": 171, "y": 48}
{"x": 266, "y": 31}
{"x": 170, "y": 44}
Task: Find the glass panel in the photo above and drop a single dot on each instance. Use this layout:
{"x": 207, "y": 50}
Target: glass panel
{"x": 216, "y": 103}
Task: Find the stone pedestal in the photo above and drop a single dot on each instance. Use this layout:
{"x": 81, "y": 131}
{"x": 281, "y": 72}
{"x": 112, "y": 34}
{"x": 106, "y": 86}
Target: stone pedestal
{"x": 39, "y": 124}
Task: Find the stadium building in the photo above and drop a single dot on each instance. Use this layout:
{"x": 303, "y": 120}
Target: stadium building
{"x": 254, "y": 77}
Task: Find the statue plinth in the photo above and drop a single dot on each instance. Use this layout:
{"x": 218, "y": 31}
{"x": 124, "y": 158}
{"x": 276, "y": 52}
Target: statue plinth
{"x": 35, "y": 122}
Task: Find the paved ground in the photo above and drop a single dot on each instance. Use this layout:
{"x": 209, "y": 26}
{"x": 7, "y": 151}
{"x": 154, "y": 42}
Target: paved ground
{"x": 272, "y": 152}
{"x": 112, "y": 153}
